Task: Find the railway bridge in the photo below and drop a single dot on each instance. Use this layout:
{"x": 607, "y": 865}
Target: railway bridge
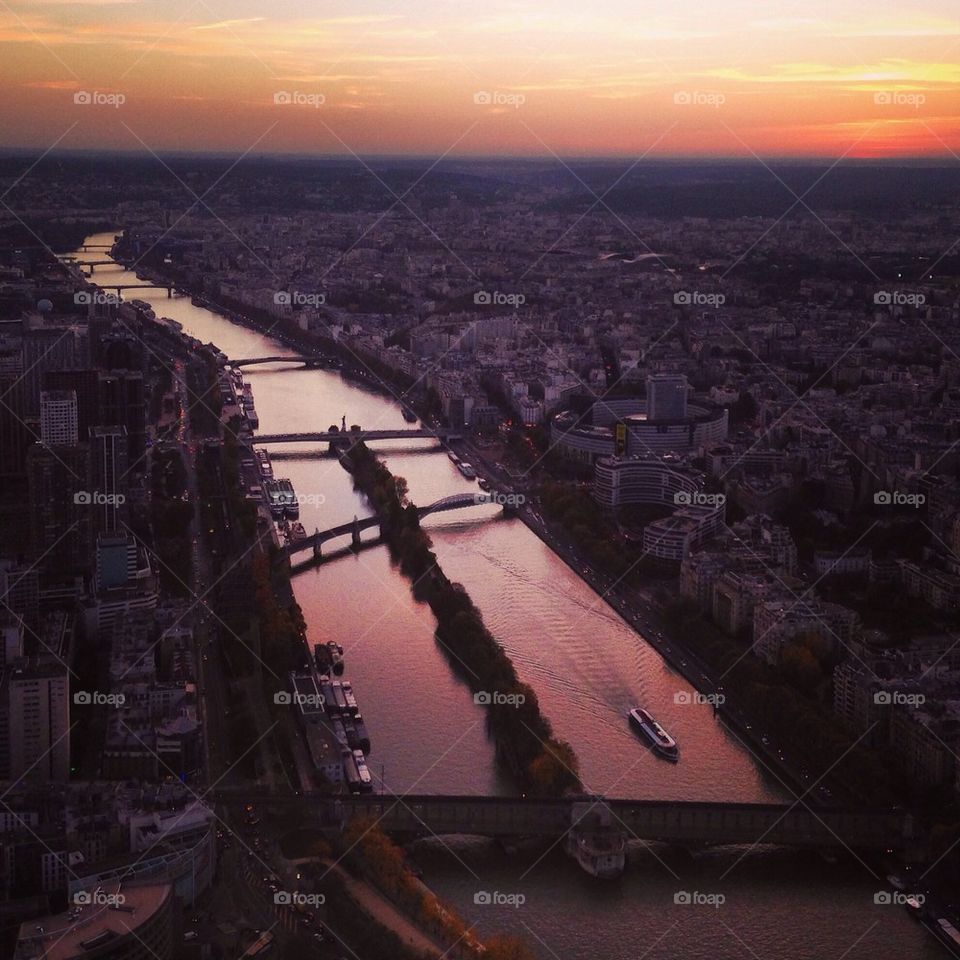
{"x": 684, "y": 823}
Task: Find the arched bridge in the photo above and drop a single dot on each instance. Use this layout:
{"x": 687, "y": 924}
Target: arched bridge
{"x": 422, "y": 433}
{"x": 455, "y": 502}
{"x": 665, "y": 821}
{"x": 92, "y": 264}
{"x": 316, "y": 540}
{"x": 312, "y": 361}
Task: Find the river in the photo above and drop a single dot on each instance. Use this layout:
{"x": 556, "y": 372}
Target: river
{"x": 587, "y": 666}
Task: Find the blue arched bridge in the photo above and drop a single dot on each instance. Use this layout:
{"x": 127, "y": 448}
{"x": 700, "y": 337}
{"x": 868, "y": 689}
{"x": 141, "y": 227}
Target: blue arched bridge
{"x": 315, "y": 541}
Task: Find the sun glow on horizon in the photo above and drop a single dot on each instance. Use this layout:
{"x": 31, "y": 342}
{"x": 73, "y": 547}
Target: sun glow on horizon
{"x": 514, "y": 78}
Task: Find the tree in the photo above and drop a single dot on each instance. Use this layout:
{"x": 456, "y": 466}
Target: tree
{"x": 503, "y": 947}
{"x": 556, "y": 769}
{"x": 801, "y": 667}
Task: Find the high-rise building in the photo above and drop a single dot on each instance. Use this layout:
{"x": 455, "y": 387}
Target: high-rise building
{"x": 117, "y": 561}
{"x": 122, "y": 403}
{"x": 11, "y": 638}
{"x": 20, "y": 591}
{"x": 86, "y": 386}
{"x": 124, "y": 584}
{"x": 117, "y": 344}
{"x": 108, "y": 447}
{"x": 50, "y": 342}
{"x": 36, "y": 694}
{"x": 58, "y": 417}
{"x": 666, "y": 396}
{"x": 61, "y": 512}
{"x": 15, "y": 436}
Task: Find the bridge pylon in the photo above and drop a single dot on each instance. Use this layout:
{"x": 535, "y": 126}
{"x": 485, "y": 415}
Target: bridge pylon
{"x": 317, "y": 548}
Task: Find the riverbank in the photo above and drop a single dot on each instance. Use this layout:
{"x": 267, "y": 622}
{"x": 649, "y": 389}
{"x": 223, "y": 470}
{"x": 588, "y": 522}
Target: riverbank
{"x": 361, "y": 368}
{"x": 682, "y": 659}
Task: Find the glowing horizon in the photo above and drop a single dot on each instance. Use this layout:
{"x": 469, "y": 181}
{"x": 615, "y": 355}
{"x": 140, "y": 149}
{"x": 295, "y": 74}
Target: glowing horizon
{"x": 688, "y": 81}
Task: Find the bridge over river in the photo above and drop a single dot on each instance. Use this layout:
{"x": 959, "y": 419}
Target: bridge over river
{"x": 353, "y": 529}
{"x": 353, "y": 436}
{"x": 316, "y": 360}
{"x": 685, "y": 822}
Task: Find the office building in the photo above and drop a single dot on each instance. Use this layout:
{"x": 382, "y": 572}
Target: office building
{"x": 108, "y": 454}
{"x": 37, "y": 697}
{"x": 666, "y": 396}
{"x": 59, "y": 492}
{"x": 85, "y": 383}
{"x": 58, "y": 418}
{"x": 122, "y": 403}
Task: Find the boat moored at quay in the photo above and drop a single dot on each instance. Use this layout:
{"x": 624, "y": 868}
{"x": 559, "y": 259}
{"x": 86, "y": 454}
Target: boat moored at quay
{"x": 596, "y": 840}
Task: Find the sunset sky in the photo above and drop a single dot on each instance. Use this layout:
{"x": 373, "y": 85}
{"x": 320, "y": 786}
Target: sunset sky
{"x": 707, "y": 78}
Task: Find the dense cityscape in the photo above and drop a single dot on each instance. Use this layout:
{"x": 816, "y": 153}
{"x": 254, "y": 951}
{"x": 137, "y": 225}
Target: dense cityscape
{"x": 504, "y": 507}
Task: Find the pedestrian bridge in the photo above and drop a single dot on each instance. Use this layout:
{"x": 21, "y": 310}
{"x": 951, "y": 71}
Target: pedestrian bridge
{"x": 693, "y": 823}
{"x": 353, "y": 529}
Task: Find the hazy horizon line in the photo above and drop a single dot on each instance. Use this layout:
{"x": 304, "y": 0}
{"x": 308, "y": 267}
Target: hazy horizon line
{"x": 43, "y": 153}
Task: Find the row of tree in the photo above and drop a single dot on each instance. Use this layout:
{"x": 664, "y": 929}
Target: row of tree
{"x": 523, "y": 736}
{"x": 593, "y": 532}
{"x": 377, "y": 858}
